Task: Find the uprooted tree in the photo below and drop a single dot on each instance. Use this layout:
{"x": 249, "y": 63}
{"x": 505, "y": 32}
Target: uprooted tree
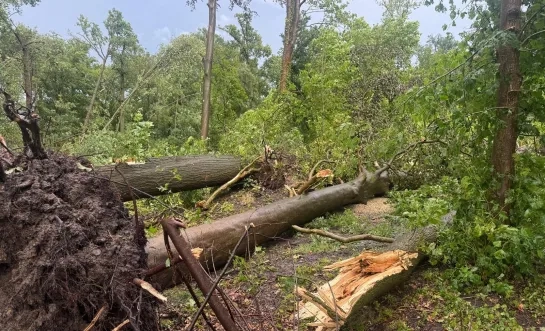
{"x": 69, "y": 253}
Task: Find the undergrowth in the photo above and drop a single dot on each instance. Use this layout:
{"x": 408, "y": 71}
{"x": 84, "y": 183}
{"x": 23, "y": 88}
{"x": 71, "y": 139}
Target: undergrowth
{"x": 482, "y": 248}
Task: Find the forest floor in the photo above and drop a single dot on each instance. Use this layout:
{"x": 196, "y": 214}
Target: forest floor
{"x": 262, "y": 286}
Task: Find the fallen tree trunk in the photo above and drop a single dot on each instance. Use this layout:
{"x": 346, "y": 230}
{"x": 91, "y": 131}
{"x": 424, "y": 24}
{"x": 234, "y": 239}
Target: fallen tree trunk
{"x": 339, "y": 304}
{"x": 177, "y": 173}
{"x": 218, "y": 238}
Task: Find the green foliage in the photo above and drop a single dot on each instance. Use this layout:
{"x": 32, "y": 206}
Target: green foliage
{"x": 483, "y": 250}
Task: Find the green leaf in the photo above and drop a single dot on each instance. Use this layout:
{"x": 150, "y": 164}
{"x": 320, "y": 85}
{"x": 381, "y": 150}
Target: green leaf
{"x": 500, "y": 254}
{"x": 497, "y": 243}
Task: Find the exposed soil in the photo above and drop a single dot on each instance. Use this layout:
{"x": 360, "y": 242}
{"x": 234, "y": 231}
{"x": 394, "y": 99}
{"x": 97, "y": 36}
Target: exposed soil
{"x": 68, "y": 248}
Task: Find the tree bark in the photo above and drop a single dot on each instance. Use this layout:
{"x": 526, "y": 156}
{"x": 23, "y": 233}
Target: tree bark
{"x": 94, "y": 96}
{"x": 181, "y": 173}
{"x": 293, "y": 8}
{"x": 504, "y": 145}
{"x": 207, "y": 62}
{"x": 218, "y": 238}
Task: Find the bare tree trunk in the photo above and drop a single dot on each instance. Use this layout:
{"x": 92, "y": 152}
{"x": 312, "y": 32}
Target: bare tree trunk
{"x": 95, "y": 92}
{"x": 293, "y": 14}
{"x": 121, "y": 100}
{"x": 504, "y": 145}
{"x": 207, "y": 80}
{"x": 122, "y": 91}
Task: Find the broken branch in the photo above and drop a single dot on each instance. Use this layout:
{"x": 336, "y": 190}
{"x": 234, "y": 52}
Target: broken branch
{"x": 406, "y": 150}
{"x": 151, "y": 290}
{"x": 198, "y": 274}
{"x": 311, "y": 173}
{"x": 248, "y": 170}
{"x": 312, "y": 180}
{"x": 342, "y": 239}
{"x": 218, "y": 279}
{"x": 28, "y": 124}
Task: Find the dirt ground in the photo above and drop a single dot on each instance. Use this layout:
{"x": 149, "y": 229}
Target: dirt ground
{"x": 68, "y": 248}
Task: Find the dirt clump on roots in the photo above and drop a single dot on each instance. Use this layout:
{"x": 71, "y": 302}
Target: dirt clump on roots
{"x": 68, "y": 248}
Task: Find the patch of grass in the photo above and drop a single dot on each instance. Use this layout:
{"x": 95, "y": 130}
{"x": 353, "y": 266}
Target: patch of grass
{"x": 531, "y": 297}
{"x": 317, "y": 244}
{"x": 250, "y": 273}
{"x": 227, "y": 207}
{"x": 346, "y": 222}
{"x": 429, "y": 299}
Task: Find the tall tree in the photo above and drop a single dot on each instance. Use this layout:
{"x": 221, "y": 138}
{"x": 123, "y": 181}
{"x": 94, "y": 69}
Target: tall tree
{"x": 207, "y": 63}
{"x": 250, "y": 46}
{"x": 505, "y": 141}
{"x": 208, "y": 58}
{"x": 118, "y": 32}
{"x": 25, "y": 40}
{"x": 124, "y": 50}
{"x": 293, "y": 15}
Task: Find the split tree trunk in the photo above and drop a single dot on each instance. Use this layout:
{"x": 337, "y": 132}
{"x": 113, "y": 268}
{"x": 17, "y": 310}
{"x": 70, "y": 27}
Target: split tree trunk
{"x": 505, "y": 141}
{"x": 341, "y": 302}
{"x": 218, "y": 238}
{"x": 293, "y": 8}
{"x": 180, "y": 173}
{"x": 207, "y": 80}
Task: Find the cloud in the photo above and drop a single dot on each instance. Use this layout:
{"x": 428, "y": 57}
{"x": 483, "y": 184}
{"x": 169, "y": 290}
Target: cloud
{"x": 163, "y": 35}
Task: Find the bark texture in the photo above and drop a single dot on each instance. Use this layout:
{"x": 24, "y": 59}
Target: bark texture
{"x": 218, "y": 238}
{"x": 505, "y": 141}
{"x": 293, "y": 14}
{"x": 181, "y": 173}
{"x": 207, "y": 62}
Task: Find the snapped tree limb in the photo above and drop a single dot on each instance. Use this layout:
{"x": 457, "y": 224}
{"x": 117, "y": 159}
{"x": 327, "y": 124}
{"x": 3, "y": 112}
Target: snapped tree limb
{"x": 342, "y": 239}
{"x": 248, "y": 170}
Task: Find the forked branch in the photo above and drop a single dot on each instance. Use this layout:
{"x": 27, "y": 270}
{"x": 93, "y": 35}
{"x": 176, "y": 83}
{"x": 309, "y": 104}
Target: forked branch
{"x": 27, "y": 119}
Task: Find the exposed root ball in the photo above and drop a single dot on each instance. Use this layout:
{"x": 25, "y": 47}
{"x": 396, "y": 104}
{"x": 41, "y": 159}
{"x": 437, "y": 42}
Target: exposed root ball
{"x": 67, "y": 248}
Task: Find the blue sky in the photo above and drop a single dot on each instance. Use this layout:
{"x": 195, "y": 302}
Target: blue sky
{"x": 158, "y": 21}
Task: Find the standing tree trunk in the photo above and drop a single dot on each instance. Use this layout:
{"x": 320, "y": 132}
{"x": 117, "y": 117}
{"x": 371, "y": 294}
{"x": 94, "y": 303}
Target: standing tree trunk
{"x": 504, "y": 144}
{"x": 207, "y": 62}
{"x": 122, "y": 91}
{"x": 95, "y": 92}
{"x": 293, "y": 14}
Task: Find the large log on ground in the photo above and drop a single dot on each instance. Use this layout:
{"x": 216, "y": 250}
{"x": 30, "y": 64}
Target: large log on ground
{"x": 179, "y": 173}
{"x": 220, "y": 237}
